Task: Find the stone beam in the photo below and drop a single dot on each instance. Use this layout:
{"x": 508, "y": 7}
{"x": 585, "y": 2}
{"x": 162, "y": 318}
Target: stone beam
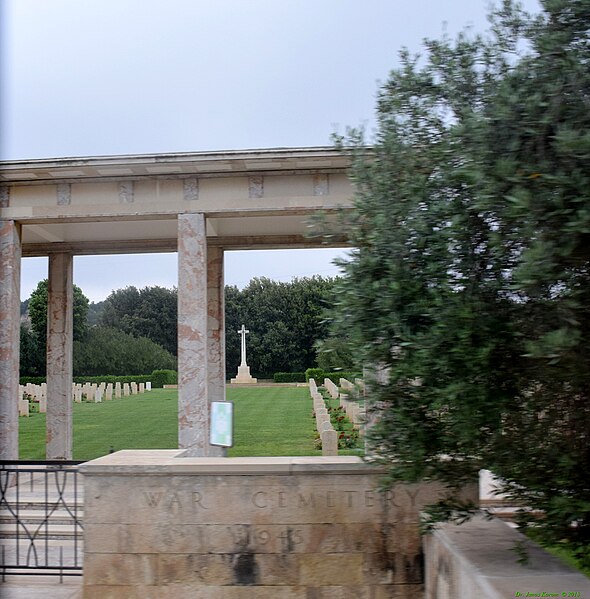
{"x": 59, "y": 357}
{"x": 10, "y": 256}
{"x": 193, "y": 380}
{"x": 141, "y": 246}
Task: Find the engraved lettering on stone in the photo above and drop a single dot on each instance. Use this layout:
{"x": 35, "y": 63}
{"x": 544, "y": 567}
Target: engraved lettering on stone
{"x": 240, "y": 535}
{"x": 262, "y": 537}
{"x": 152, "y": 499}
{"x": 255, "y": 187}
{"x": 282, "y": 499}
{"x": 4, "y": 196}
{"x": 198, "y": 500}
{"x": 126, "y": 192}
{"x": 290, "y": 538}
{"x": 321, "y": 186}
{"x": 412, "y": 495}
{"x": 64, "y": 194}
{"x": 174, "y": 502}
{"x": 389, "y": 497}
{"x": 369, "y": 499}
{"x": 191, "y": 189}
{"x": 259, "y": 499}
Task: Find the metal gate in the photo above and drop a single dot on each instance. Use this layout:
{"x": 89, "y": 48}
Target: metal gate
{"x": 41, "y": 530}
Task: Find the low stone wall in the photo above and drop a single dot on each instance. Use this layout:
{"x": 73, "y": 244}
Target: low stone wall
{"x": 160, "y": 525}
{"x": 477, "y": 559}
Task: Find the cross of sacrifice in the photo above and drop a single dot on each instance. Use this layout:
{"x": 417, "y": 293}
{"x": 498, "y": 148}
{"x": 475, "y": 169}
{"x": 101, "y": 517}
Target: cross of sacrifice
{"x": 242, "y": 332}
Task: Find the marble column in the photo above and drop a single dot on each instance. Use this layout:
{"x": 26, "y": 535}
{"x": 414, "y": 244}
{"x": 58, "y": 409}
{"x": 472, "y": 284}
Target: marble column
{"x": 193, "y": 380}
{"x": 10, "y": 256}
{"x": 215, "y": 331}
{"x": 59, "y": 357}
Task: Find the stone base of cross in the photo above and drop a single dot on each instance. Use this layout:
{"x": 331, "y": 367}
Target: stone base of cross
{"x": 243, "y": 377}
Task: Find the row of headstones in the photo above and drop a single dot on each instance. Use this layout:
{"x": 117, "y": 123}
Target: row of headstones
{"x": 91, "y": 391}
{"x": 324, "y": 426}
{"x": 354, "y": 412}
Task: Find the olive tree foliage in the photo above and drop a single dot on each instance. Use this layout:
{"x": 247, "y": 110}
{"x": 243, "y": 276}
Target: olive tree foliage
{"x": 468, "y": 290}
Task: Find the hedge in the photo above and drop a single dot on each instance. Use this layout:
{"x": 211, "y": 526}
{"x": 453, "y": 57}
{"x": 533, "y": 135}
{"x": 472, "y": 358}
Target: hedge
{"x": 317, "y": 374}
{"x": 336, "y": 376}
{"x": 289, "y": 377}
{"x": 158, "y": 378}
{"x": 164, "y": 377}
{"x": 35, "y": 380}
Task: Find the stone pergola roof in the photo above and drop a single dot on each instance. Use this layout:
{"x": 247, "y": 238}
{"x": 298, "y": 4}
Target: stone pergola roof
{"x": 130, "y": 203}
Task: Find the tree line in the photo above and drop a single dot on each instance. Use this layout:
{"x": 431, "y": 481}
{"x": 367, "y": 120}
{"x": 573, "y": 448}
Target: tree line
{"x": 134, "y": 331}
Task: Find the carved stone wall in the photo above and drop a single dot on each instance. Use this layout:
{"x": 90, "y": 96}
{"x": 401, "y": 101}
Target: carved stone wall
{"x": 160, "y": 525}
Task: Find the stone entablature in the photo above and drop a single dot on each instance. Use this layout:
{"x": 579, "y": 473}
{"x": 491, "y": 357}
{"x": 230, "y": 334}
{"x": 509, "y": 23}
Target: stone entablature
{"x": 61, "y": 203}
{"x": 161, "y": 525}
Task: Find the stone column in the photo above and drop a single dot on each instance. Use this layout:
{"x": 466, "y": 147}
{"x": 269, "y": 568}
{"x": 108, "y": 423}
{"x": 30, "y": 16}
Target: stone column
{"x": 215, "y": 332}
{"x": 10, "y": 255}
{"x": 60, "y": 326}
{"x": 193, "y": 380}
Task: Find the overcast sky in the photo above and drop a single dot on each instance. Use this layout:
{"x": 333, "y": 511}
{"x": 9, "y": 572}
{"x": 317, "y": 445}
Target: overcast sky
{"x": 103, "y": 77}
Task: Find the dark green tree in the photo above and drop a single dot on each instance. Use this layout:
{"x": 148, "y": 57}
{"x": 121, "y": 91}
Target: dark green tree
{"x": 469, "y": 287}
{"x": 150, "y": 312}
{"x": 109, "y": 351}
{"x": 284, "y": 319}
{"x": 38, "y": 311}
{"x": 32, "y": 352}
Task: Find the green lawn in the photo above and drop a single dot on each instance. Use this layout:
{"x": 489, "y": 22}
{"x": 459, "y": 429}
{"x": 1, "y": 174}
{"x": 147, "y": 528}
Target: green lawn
{"x": 272, "y": 421}
{"x": 268, "y": 421}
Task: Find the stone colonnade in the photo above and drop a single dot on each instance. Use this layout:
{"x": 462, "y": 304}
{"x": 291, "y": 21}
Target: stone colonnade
{"x": 201, "y": 351}
{"x": 10, "y": 256}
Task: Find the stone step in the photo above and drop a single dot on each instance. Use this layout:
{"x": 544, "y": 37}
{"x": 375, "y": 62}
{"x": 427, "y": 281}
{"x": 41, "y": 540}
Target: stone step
{"x": 53, "y": 531}
{"x": 30, "y": 518}
{"x": 64, "y": 551}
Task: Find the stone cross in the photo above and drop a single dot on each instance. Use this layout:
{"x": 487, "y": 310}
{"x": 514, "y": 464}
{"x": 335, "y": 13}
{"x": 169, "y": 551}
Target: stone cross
{"x": 243, "y": 331}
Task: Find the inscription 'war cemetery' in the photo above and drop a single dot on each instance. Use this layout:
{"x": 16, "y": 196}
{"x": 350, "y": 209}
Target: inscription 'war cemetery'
{"x": 351, "y": 499}
{"x": 286, "y": 527}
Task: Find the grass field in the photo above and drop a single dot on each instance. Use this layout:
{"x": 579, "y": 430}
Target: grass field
{"x": 268, "y": 421}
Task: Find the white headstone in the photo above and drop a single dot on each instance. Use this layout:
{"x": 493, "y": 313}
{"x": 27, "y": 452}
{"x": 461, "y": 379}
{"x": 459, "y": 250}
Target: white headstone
{"x": 329, "y": 442}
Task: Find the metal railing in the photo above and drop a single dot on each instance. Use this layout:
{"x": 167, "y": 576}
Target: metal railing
{"x": 41, "y": 531}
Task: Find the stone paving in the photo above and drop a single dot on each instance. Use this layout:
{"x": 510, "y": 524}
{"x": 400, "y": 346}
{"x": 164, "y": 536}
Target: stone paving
{"x": 41, "y": 587}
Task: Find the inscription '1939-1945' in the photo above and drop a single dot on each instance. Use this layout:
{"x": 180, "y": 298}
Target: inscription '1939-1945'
{"x": 277, "y": 499}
